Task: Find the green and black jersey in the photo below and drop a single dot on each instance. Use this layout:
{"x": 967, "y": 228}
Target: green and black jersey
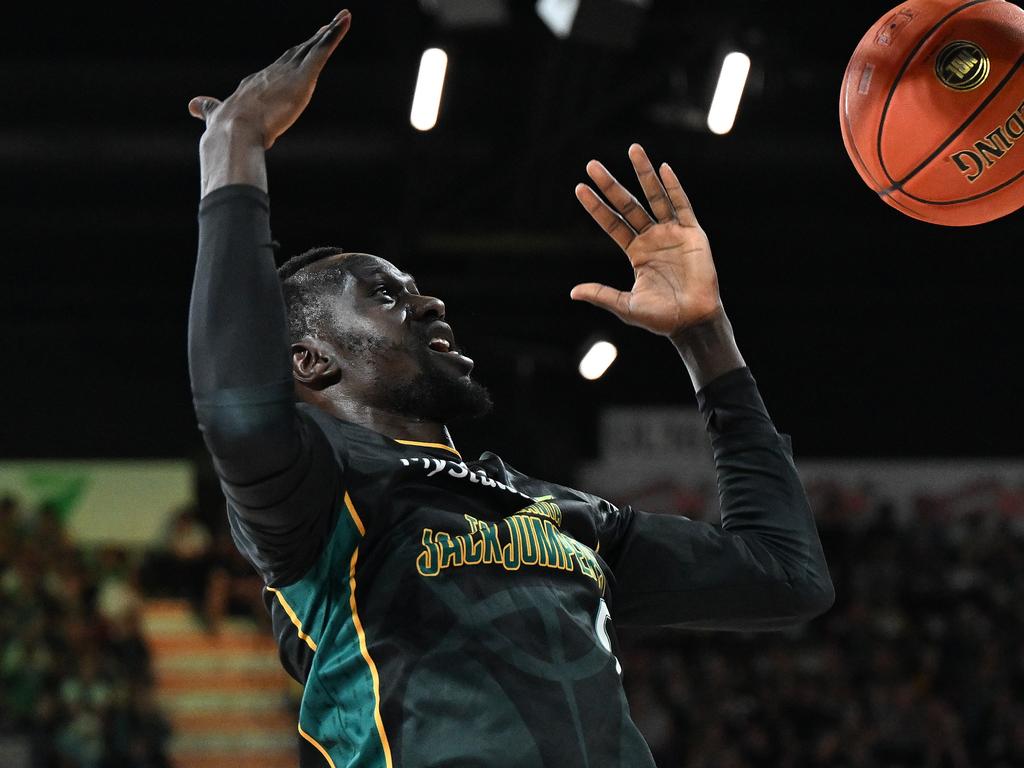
{"x": 444, "y": 612}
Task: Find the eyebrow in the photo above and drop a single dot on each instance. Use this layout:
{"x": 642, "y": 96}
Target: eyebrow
{"x": 378, "y": 273}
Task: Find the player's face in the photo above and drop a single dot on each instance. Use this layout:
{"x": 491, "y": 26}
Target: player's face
{"x": 399, "y": 346}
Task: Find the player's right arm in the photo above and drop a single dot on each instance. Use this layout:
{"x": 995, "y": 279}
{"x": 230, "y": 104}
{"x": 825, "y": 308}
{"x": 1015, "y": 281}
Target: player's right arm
{"x": 764, "y": 567}
{"x": 276, "y": 467}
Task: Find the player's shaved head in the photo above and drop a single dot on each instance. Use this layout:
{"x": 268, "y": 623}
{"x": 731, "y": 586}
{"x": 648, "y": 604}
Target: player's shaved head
{"x": 305, "y": 281}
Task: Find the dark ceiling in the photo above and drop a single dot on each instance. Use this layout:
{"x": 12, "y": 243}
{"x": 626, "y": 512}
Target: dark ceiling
{"x": 870, "y": 333}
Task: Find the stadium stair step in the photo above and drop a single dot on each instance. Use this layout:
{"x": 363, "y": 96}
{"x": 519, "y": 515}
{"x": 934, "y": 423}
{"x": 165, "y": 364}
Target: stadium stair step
{"x": 228, "y": 699}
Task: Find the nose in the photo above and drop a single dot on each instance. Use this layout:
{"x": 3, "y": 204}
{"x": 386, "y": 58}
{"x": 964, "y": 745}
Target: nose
{"x": 427, "y": 307}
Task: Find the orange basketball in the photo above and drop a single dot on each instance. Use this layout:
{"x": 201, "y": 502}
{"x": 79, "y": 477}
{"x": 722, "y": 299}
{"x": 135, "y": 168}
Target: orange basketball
{"x": 932, "y": 108}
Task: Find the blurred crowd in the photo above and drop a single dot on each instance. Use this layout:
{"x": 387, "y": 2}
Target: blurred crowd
{"x": 75, "y": 677}
{"x": 920, "y": 662}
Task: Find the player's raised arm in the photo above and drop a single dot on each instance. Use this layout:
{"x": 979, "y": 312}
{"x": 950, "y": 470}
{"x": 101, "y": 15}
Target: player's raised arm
{"x": 274, "y": 464}
{"x": 263, "y": 106}
{"x": 764, "y": 567}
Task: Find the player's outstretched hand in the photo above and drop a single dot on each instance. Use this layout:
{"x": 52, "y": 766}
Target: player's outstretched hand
{"x": 269, "y": 101}
{"x": 676, "y": 286}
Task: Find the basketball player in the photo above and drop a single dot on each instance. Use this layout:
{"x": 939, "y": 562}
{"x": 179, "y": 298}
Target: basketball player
{"x": 442, "y": 611}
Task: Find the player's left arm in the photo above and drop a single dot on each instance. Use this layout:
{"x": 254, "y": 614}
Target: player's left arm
{"x": 764, "y": 566}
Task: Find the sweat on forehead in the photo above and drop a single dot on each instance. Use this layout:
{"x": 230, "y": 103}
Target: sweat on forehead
{"x": 355, "y": 263}
{"x": 361, "y": 266}
{"x": 364, "y": 266}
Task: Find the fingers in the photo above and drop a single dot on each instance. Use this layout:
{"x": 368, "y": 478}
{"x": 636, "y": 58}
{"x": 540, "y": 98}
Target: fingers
{"x": 619, "y": 196}
{"x": 603, "y": 296}
{"x": 611, "y": 222}
{"x": 315, "y": 51}
{"x": 202, "y": 106}
{"x": 298, "y": 52}
{"x": 659, "y": 201}
{"x": 287, "y": 55}
{"x": 680, "y": 202}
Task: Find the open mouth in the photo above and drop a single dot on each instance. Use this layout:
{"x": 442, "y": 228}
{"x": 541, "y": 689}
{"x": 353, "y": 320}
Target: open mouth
{"x": 441, "y": 341}
{"x": 442, "y": 345}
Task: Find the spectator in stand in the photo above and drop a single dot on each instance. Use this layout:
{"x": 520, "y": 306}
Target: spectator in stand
{"x": 207, "y": 570}
{"x": 234, "y": 588}
{"x": 184, "y": 556}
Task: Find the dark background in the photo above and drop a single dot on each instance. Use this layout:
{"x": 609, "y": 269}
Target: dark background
{"x": 871, "y": 334}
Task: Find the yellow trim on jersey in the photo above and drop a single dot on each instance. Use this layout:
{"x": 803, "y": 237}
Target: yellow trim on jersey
{"x": 369, "y": 661}
{"x": 295, "y": 619}
{"x": 355, "y": 515}
{"x": 316, "y": 744}
{"x": 430, "y": 445}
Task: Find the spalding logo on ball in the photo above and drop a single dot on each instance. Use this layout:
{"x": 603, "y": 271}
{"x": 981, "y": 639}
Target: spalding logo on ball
{"x": 932, "y": 107}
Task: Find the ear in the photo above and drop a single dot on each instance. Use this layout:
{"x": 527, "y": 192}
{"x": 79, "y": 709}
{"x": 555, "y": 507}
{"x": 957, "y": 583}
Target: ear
{"x": 315, "y": 363}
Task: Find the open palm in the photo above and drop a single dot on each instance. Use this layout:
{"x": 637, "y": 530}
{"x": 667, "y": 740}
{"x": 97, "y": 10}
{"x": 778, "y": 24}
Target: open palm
{"x": 675, "y": 284}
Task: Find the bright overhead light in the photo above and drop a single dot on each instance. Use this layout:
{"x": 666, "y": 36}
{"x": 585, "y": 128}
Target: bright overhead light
{"x": 426, "y": 102}
{"x": 558, "y": 15}
{"x": 594, "y": 364}
{"x": 732, "y": 78}
{"x": 608, "y": 23}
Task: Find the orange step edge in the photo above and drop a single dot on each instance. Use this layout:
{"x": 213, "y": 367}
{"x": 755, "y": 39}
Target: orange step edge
{"x": 231, "y": 722}
{"x": 188, "y": 644}
{"x": 215, "y": 681}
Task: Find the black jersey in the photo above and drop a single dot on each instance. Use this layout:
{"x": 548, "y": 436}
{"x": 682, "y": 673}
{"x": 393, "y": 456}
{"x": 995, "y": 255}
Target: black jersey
{"x": 444, "y": 612}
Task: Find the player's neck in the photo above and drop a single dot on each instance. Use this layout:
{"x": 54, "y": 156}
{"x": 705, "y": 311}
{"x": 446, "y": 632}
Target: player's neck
{"x": 394, "y": 425}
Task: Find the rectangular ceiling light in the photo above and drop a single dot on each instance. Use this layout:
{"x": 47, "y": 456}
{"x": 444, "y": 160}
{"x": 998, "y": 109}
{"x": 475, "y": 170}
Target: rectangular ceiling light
{"x": 426, "y": 102}
{"x": 597, "y": 360}
{"x": 732, "y": 78}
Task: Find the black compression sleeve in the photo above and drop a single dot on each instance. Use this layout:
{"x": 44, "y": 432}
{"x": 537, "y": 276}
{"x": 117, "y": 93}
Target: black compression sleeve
{"x": 763, "y": 567}
{"x": 238, "y": 334}
{"x": 277, "y": 469}
{"x": 238, "y": 341}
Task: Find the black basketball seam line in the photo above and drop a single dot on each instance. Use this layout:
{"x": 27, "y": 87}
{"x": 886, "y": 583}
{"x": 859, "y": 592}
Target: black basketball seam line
{"x": 970, "y": 199}
{"x": 899, "y": 75}
{"x": 900, "y": 205}
{"x": 898, "y": 185}
{"x": 897, "y": 204}
{"x": 858, "y": 160}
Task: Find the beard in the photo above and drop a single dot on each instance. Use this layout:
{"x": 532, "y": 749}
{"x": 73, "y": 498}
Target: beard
{"x": 434, "y": 393}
